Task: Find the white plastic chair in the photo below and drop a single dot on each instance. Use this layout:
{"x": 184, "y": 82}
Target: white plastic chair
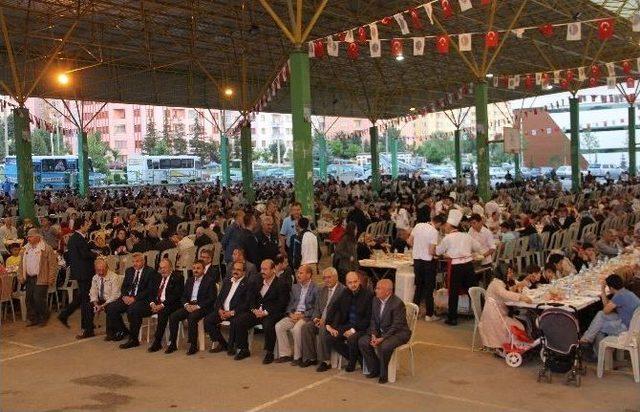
{"x": 53, "y": 290}
{"x": 476, "y": 294}
{"x": 69, "y": 285}
{"x": 628, "y": 341}
{"x": 412, "y": 319}
{"x": 151, "y": 257}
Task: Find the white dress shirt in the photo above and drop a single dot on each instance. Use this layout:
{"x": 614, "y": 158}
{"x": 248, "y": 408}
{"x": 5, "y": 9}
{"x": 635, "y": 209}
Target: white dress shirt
{"x": 424, "y": 237}
{"x": 196, "y": 288}
{"x": 485, "y": 238}
{"x": 309, "y": 249}
{"x": 459, "y": 247}
{"x": 265, "y": 286}
{"x": 234, "y": 286}
{"x": 31, "y": 258}
{"x": 164, "y": 282}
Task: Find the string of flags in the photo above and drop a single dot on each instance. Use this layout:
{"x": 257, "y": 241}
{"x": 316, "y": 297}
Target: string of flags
{"x": 356, "y": 37}
{"x": 38, "y": 122}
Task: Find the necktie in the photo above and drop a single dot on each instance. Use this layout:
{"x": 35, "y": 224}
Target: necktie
{"x": 101, "y": 297}
{"x": 161, "y": 288}
{"x": 136, "y": 279}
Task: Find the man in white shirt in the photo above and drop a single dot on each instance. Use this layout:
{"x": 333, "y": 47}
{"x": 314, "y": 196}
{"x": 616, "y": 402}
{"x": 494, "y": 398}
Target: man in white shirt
{"x": 492, "y": 206}
{"x": 105, "y": 286}
{"x": 423, "y": 239}
{"x": 309, "y": 246}
{"x": 459, "y": 248}
{"x": 476, "y": 206}
{"x": 184, "y": 244}
{"x": 8, "y": 231}
{"x": 479, "y": 232}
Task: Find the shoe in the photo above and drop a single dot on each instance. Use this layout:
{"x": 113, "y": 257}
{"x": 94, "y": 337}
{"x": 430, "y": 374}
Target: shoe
{"x": 350, "y": 367}
{"x": 30, "y": 324}
{"x": 382, "y": 380}
{"x": 242, "y": 354}
{"x": 170, "y": 349}
{"x": 219, "y": 348}
{"x": 130, "y": 344}
{"x": 432, "y": 318}
{"x": 155, "y": 347}
{"x": 231, "y": 351}
{"x": 323, "y": 367}
{"x": 85, "y": 335}
{"x": 119, "y": 336}
{"x": 108, "y": 338}
{"x": 192, "y": 350}
{"x": 308, "y": 363}
{"x": 64, "y": 321}
{"x": 283, "y": 359}
{"x": 373, "y": 375}
{"x": 451, "y": 322}
{"x": 268, "y": 358}
{"x": 296, "y": 362}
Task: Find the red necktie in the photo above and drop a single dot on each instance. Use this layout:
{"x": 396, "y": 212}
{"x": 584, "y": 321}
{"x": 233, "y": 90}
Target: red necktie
{"x": 161, "y": 288}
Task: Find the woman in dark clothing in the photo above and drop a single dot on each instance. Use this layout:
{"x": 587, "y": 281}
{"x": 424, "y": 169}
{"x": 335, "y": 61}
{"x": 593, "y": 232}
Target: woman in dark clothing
{"x": 118, "y": 244}
{"x": 345, "y": 256}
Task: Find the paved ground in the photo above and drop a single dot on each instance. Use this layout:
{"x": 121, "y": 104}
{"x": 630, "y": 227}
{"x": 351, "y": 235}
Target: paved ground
{"x": 47, "y": 369}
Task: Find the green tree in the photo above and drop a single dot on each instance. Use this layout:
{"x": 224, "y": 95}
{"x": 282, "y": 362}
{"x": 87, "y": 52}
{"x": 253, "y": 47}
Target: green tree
{"x": 166, "y": 130}
{"x": 99, "y": 152}
{"x": 437, "y": 149}
{"x": 590, "y": 142}
{"x": 273, "y": 151}
{"x": 199, "y": 146}
{"x": 179, "y": 145}
{"x": 150, "y": 142}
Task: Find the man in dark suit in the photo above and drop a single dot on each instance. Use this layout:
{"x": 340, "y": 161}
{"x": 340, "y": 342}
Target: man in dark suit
{"x": 134, "y": 298}
{"x": 165, "y": 291}
{"x": 81, "y": 261}
{"x": 197, "y": 300}
{"x": 250, "y": 269}
{"x": 209, "y": 269}
{"x": 387, "y": 331}
{"x": 268, "y": 246}
{"x": 267, "y": 302}
{"x": 247, "y": 239}
{"x": 232, "y": 301}
{"x": 314, "y": 346}
{"x": 348, "y": 320}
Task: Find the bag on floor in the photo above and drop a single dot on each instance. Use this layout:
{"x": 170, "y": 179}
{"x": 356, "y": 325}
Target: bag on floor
{"x": 441, "y": 302}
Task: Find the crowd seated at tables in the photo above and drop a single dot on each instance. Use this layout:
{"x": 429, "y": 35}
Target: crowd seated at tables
{"x": 224, "y": 265}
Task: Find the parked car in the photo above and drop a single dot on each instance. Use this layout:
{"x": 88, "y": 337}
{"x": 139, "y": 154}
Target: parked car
{"x": 606, "y": 171}
{"x": 563, "y": 172}
{"x": 497, "y": 172}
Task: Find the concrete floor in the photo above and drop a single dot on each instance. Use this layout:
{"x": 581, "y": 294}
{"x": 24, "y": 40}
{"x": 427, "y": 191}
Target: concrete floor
{"x": 47, "y": 369}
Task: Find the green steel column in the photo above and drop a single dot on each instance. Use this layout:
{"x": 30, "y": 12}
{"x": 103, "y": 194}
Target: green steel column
{"x": 482, "y": 140}
{"x": 322, "y": 142}
{"x": 574, "y": 114}
{"x": 375, "y": 158}
{"x": 632, "y": 141}
{"x": 224, "y": 160}
{"x": 301, "y": 119}
{"x": 22, "y": 136}
{"x": 247, "y": 165}
{"x": 394, "y": 158}
{"x": 516, "y": 163}
{"x": 83, "y": 164}
{"x": 458, "y": 154}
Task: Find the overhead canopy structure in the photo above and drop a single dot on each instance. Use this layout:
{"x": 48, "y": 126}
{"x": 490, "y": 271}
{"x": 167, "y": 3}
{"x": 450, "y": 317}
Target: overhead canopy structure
{"x": 187, "y": 53}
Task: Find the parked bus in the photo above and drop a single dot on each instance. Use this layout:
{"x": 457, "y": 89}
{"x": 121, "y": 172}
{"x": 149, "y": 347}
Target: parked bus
{"x": 157, "y": 170}
{"x": 53, "y": 172}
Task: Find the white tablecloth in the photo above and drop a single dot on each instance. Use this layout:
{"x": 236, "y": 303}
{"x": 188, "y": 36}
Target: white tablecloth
{"x": 404, "y": 284}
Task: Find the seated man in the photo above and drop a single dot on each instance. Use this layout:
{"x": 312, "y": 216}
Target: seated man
{"x": 165, "y": 292}
{"x": 349, "y": 319}
{"x": 135, "y": 296}
{"x": 586, "y": 256}
{"x": 267, "y": 303}
{"x": 197, "y": 300}
{"x": 314, "y": 347}
{"x": 609, "y": 245}
{"x": 232, "y": 301}
{"x": 387, "y": 331}
{"x": 301, "y": 303}
{"x": 616, "y": 314}
{"x": 105, "y": 286}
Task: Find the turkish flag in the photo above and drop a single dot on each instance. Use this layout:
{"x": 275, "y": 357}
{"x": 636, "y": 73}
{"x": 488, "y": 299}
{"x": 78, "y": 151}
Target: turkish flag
{"x": 396, "y": 47}
{"x": 626, "y": 67}
{"x": 569, "y": 75}
{"x": 415, "y": 19}
{"x": 362, "y": 34}
{"x": 564, "y": 84}
{"x": 318, "y": 48}
{"x": 485, "y": 2}
{"x": 446, "y": 8}
{"x": 386, "y": 21}
{"x": 595, "y": 71}
{"x": 529, "y": 81}
{"x": 491, "y": 39}
{"x": 353, "y": 50}
{"x": 546, "y": 30}
{"x": 442, "y": 44}
{"x": 605, "y": 29}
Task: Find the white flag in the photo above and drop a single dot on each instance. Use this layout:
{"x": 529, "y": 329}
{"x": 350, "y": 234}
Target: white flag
{"x": 574, "y": 31}
{"x": 373, "y": 30}
{"x": 611, "y": 69}
{"x": 312, "y": 49}
{"x": 374, "y": 48}
{"x": 349, "y": 36}
{"x": 635, "y": 22}
{"x": 465, "y": 5}
{"x": 512, "y": 82}
{"x": 332, "y": 47}
{"x": 611, "y": 82}
{"x": 517, "y": 80}
{"x": 556, "y": 76}
{"x": 538, "y": 79}
{"x": 582, "y": 76}
{"x": 518, "y": 32}
{"x": 464, "y": 42}
{"x": 404, "y": 28}
{"x": 418, "y": 46}
{"x": 429, "y": 9}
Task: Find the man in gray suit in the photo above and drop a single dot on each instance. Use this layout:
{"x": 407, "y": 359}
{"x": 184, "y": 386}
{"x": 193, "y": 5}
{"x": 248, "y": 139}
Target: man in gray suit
{"x": 313, "y": 332}
{"x": 299, "y": 311}
{"x": 388, "y": 330}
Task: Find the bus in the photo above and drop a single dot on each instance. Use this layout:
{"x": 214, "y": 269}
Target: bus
{"x": 157, "y": 170}
{"x": 53, "y": 172}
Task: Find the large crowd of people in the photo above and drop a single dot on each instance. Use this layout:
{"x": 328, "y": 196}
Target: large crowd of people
{"x": 271, "y": 270}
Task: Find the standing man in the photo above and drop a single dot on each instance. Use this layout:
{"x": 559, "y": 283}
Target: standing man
{"x": 289, "y": 224}
{"x": 267, "y": 304}
{"x": 423, "y": 239}
{"x": 480, "y": 233}
{"x": 247, "y": 239}
{"x": 197, "y": 300}
{"x": 387, "y": 331}
{"x": 135, "y": 298}
{"x": 81, "y": 261}
{"x": 313, "y": 334}
{"x": 459, "y": 248}
{"x": 267, "y": 241}
{"x": 305, "y": 247}
{"x": 349, "y": 319}
{"x": 38, "y": 269}
{"x": 299, "y": 311}
{"x": 165, "y": 292}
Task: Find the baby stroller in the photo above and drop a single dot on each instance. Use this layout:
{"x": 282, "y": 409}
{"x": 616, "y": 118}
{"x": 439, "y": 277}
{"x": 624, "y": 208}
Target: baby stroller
{"x": 519, "y": 341}
{"x": 560, "y": 333}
